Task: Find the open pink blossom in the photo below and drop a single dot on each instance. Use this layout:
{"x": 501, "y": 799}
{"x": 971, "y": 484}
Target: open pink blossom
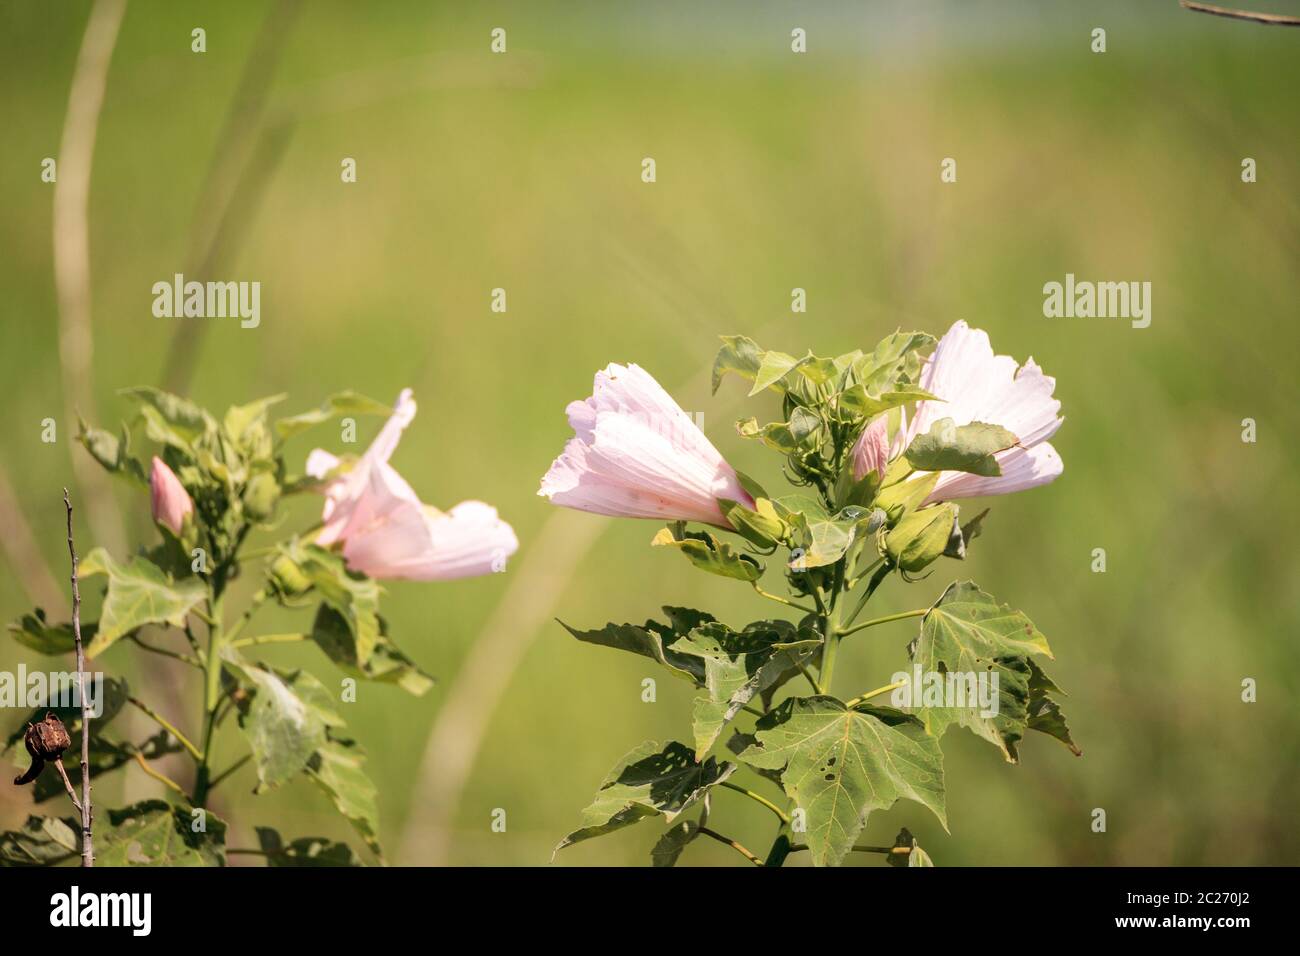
{"x": 636, "y": 454}
{"x": 385, "y": 531}
{"x": 977, "y": 386}
{"x": 168, "y": 499}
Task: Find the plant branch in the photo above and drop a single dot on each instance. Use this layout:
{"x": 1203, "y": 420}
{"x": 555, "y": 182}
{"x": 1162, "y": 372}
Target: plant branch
{"x": 165, "y": 725}
{"x": 713, "y": 834}
{"x": 1274, "y": 19}
{"x": 160, "y": 777}
{"x": 72, "y": 793}
{"x": 874, "y": 693}
{"x": 269, "y": 639}
{"x": 757, "y": 798}
{"x": 87, "y": 843}
{"x": 229, "y": 770}
{"x": 901, "y": 616}
{"x": 154, "y": 649}
{"x": 780, "y": 600}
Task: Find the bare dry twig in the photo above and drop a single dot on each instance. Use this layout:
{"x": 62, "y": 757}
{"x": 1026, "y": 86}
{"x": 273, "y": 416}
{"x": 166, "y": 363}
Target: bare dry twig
{"x": 1273, "y": 19}
{"x": 87, "y": 844}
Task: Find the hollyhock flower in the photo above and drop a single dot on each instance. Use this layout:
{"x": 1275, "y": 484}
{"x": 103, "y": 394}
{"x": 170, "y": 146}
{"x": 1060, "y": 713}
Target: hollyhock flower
{"x": 636, "y": 454}
{"x": 170, "y": 503}
{"x": 975, "y": 385}
{"x": 385, "y": 531}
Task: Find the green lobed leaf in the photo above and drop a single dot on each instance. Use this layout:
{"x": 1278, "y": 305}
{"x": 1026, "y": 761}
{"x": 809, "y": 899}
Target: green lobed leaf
{"x": 823, "y": 538}
{"x": 966, "y": 633}
{"x": 739, "y": 354}
{"x": 139, "y": 593}
{"x": 337, "y": 769}
{"x": 112, "y": 452}
{"x": 41, "y": 841}
{"x": 802, "y": 433}
{"x": 839, "y": 763}
{"x": 649, "y": 781}
{"x": 285, "y": 720}
{"x": 760, "y": 525}
{"x": 652, "y": 640}
{"x": 355, "y": 597}
{"x": 738, "y": 665}
{"x": 156, "y": 833}
{"x": 304, "y": 851}
{"x": 344, "y": 403}
{"x": 773, "y": 368}
{"x": 708, "y": 553}
{"x": 387, "y": 664}
{"x": 33, "y": 632}
{"x": 970, "y": 448}
{"x": 172, "y": 420}
{"x": 668, "y": 848}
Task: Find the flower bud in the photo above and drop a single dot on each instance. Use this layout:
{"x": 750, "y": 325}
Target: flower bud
{"x": 260, "y": 496}
{"x": 871, "y": 452}
{"x": 287, "y": 578}
{"x": 167, "y": 497}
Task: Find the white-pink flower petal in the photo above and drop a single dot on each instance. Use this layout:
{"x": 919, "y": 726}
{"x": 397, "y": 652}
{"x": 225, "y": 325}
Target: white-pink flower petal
{"x": 636, "y": 454}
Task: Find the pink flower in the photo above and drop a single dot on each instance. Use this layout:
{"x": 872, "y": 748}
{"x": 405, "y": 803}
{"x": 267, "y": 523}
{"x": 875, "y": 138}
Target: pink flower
{"x": 387, "y": 532}
{"x": 167, "y": 497}
{"x": 636, "y": 454}
{"x": 977, "y": 386}
{"x": 871, "y": 453}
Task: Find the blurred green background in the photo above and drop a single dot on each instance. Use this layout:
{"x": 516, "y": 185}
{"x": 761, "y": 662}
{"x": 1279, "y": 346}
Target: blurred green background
{"x": 775, "y": 170}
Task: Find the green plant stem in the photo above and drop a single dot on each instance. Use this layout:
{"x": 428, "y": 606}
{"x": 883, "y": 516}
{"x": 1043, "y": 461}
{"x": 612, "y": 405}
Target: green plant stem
{"x": 901, "y": 616}
{"x": 875, "y": 693}
{"x": 713, "y": 834}
{"x": 757, "y": 798}
{"x": 268, "y": 639}
{"x": 160, "y": 777}
{"x": 255, "y": 602}
{"x": 881, "y": 573}
{"x": 184, "y": 658}
{"x": 229, "y": 770}
{"x": 780, "y": 600}
{"x": 165, "y": 725}
{"x": 861, "y": 848}
{"x": 211, "y": 698}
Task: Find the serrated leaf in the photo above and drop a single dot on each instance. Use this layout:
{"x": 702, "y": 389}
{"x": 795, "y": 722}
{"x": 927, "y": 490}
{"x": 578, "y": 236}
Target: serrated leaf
{"x": 649, "y": 781}
{"x": 139, "y": 593}
{"x": 355, "y": 597}
{"x": 344, "y": 403}
{"x": 709, "y": 553}
{"x": 838, "y": 764}
{"x": 387, "y": 664}
{"x": 969, "y": 448}
{"x": 823, "y": 538}
{"x": 337, "y": 769}
{"x": 304, "y": 851}
{"x": 773, "y": 368}
{"x": 41, "y": 841}
{"x": 284, "y": 721}
{"x": 739, "y": 354}
{"x": 156, "y": 833}
{"x": 668, "y": 849}
{"x": 652, "y": 640}
{"x": 966, "y": 633}
{"x": 1045, "y": 713}
{"x": 738, "y": 665}
{"x": 170, "y": 419}
{"x": 33, "y": 632}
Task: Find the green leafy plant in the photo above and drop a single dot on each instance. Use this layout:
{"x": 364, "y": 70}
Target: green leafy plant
{"x": 872, "y": 500}
{"x": 213, "y": 484}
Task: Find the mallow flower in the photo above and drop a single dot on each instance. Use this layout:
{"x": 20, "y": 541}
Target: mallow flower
{"x": 385, "y": 531}
{"x": 168, "y": 500}
{"x": 975, "y": 385}
{"x": 636, "y": 454}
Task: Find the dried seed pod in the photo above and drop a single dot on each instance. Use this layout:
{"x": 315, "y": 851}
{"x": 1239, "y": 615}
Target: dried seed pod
{"x": 45, "y": 740}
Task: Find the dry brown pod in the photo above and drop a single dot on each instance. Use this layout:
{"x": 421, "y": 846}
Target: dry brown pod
{"x": 45, "y": 740}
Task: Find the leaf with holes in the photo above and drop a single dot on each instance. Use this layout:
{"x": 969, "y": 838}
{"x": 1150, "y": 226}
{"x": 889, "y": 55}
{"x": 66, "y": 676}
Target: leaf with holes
{"x": 649, "y": 781}
{"x": 839, "y": 763}
{"x": 967, "y": 634}
{"x": 139, "y": 593}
